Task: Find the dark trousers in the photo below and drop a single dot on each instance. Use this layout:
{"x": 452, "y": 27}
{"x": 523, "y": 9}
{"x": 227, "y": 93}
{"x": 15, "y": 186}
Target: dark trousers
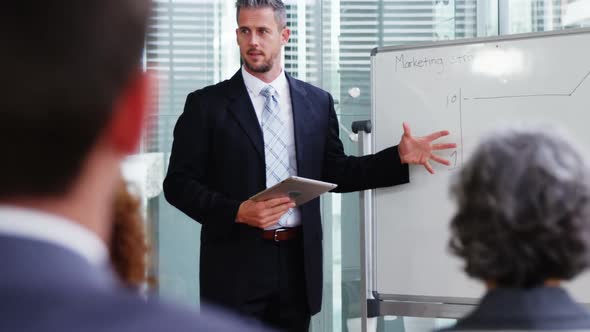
{"x": 277, "y": 295}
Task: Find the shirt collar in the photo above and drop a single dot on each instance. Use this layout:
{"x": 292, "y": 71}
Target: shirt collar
{"x": 255, "y": 85}
{"x": 42, "y": 226}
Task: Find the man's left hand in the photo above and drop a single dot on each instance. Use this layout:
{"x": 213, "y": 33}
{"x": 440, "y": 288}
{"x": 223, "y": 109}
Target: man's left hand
{"x": 418, "y": 150}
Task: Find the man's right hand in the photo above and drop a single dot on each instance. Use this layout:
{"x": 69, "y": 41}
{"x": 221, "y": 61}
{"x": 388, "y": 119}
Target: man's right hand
{"x": 263, "y": 214}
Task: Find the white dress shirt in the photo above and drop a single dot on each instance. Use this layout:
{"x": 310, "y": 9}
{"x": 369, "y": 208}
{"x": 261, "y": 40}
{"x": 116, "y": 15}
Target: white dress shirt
{"x": 281, "y": 86}
{"x": 41, "y": 226}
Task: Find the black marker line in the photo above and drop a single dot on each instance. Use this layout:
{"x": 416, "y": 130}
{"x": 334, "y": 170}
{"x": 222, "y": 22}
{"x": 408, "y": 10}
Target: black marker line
{"x": 461, "y": 124}
{"x": 582, "y": 81}
{"x": 535, "y": 95}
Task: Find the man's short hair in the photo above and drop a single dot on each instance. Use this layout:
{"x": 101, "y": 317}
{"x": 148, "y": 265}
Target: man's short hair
{"x": 277, "y": 6}
{"x": 64, "y": 64}
{"x": 523, "y": 209}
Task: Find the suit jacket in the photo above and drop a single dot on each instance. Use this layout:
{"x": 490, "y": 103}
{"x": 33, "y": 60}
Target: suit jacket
{"x": 47, "y": 288}
{"x": 217, "y": 162}
{"x": 542, "y": 308}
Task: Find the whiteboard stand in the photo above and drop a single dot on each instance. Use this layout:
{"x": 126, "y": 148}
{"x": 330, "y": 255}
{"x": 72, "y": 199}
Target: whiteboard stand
{"x": 369, "y": 306}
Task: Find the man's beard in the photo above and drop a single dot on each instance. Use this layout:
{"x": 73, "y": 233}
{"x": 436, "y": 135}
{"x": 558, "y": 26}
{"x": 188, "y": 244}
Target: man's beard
{"x": 262, "y": 68}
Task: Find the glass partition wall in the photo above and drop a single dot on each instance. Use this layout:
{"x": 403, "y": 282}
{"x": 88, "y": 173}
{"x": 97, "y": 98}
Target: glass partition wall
{"x": 191, "y": 44}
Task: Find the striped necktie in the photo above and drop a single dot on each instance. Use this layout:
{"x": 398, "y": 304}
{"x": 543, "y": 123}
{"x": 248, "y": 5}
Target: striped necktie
{"x": 275, "y": 146}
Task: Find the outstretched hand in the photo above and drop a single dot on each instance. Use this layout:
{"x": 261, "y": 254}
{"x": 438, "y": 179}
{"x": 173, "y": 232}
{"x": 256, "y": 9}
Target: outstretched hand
{"x": 418, "y": 150}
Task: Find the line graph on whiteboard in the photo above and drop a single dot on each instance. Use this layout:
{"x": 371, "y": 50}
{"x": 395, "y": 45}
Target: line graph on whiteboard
{"x": 463, "y": 104}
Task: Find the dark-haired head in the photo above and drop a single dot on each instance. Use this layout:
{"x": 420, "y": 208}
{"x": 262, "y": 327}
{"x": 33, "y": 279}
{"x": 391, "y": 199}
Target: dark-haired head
{"x": 66, "y": 65}
{"x": 523, "y": 209}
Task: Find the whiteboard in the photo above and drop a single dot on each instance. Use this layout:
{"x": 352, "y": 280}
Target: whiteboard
{"x": 468, "y": 87}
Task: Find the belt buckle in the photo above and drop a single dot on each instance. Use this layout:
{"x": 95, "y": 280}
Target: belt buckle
{"x": 277, "y": 231}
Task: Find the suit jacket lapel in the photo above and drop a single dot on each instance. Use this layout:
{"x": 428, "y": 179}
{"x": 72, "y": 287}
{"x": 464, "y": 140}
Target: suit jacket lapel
{"x": 241, "y": 108}
{"x": 302, "y": 120}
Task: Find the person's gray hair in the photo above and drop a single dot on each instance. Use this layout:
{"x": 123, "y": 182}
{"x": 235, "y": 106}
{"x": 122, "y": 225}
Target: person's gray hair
{"x": 277, "y": 6}
{"x": 523, "y": 209}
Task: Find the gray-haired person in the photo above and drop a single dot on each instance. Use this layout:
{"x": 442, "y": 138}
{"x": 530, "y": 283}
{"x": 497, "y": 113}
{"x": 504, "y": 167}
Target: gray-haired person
{"x": 522, "y": 227}
{"x": 242, "y": 135}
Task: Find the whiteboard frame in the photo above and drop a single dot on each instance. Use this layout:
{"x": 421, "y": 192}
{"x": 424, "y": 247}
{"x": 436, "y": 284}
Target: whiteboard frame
{"x": 378, "y": 304}
{"x": 478, "y": 40}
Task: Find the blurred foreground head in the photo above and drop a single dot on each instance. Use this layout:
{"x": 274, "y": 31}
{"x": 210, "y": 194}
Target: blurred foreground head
{"x": 71, "y": 84}
{"x": 523, "y": 209}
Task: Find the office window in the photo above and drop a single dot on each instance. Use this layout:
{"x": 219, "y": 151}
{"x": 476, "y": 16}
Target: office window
{"x": 183, "y": 50}
{"x": 544, "y": 15}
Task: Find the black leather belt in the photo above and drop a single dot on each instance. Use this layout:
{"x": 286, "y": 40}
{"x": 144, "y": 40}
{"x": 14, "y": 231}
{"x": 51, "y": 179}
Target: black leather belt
{"x": 282, "y": 234}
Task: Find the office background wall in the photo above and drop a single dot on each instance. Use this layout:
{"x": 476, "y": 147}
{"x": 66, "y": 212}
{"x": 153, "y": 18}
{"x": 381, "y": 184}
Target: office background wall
{"x": 191, "y": 44}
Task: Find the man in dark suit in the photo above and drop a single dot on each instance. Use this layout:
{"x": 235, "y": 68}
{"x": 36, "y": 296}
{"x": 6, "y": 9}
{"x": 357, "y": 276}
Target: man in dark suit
{"x": 72, "y": 106}
{"x": 521, "y": 228}
{"x": 245, "y": 134}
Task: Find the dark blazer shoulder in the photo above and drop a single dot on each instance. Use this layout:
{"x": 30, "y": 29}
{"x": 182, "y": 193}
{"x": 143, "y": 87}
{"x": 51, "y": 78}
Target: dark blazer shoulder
{"x": 215, "y": 89}
{"x": 307, "y": 88}
{"x": 227, "y": 88}
{"x": 538, "y": 308}
{"x": 208, "y": 100}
